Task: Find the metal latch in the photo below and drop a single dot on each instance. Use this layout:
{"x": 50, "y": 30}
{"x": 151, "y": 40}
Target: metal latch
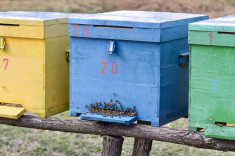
{"x": 111, "y": 47}
{"x": 2, "y": 43}
{"x": 67, "y": 53}
{"x": 184, "y": 59}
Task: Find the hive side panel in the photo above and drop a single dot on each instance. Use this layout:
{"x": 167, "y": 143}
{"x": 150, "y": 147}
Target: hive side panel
{"x": 57, "y": 75}
{"x": 21, "y": 71}
{"x": 56, "y": 30}
{"x": 173, "y": 81}
{"x": 129, "y": 75}
{"x": 212, "y": 88}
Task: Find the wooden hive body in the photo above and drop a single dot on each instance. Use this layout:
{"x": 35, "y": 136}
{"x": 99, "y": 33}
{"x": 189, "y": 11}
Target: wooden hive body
{"x": 34, "y": 68}
{"x": 212, "y": 70}
{"x": 143, "y": 70}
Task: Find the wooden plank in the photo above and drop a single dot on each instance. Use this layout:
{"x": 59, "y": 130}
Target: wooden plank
{"x": 11, "y": 112}
{"x": 211, "y": 38}
{"x": 141, "y": 19}
{"x": 115, "y": 119}
{"x": 184, "y": 137}
{"x": 224, "y": 24}
{"x": 220, "y": 132}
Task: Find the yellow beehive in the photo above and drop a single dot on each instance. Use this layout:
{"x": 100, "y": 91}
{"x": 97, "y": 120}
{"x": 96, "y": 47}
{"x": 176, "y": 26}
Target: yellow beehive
{"x": 34, "y": 70}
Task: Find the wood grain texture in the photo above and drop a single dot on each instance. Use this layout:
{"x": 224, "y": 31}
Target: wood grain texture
{"x": 56, "y": 75}
{"x": 142, "y": 147}
{"x": 224, "y": 24}
{"x": 212, "y": 83}
{"x": 195, "y": 139}
{"x": 148, "y": 73}
{"x": 32, "y": 18}
{"x": 211, "y": 38}
{"x": 140, "y": 19}
{"x": 112, "y": 145}
{"x": 122, "y": 120}
{"x": 37, "y": 74}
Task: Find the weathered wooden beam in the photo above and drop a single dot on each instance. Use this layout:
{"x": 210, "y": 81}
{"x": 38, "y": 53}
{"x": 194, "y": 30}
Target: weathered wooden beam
{"x": 112, "y": 145}
{"x": 195, "y": 139}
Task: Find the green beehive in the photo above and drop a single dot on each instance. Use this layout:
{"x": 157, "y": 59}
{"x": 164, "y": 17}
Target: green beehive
{"x": 212, "y": 77}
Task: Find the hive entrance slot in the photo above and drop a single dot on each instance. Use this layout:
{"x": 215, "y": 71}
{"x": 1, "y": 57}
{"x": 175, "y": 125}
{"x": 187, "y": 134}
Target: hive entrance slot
{"x": 109, "y": 26}
{"x": 225, "y": 124}
{"x": 220, "y": 123}
{"x": 10, "y": 104}
{"x": 228, "y": 33}
{"x": 12, "y": 25}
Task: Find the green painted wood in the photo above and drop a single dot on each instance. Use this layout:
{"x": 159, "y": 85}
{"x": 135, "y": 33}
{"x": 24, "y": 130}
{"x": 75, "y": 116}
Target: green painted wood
{"x": 225, "y": 24}
{"x": 211, "y": 38}
{"x": 211, "y": 88}
{"x": 220, "y": 132}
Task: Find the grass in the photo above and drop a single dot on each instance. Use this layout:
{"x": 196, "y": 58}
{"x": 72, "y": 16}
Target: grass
{"x": 24, "y": 141}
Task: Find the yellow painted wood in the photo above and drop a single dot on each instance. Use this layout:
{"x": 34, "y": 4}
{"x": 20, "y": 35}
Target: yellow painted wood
{"x": 37, "y": 73}
{"x": 11, "y": 112}
{"x": 39, "y": 32}
{"x": 57, "y": 75}
{"x": 32, "y": 21}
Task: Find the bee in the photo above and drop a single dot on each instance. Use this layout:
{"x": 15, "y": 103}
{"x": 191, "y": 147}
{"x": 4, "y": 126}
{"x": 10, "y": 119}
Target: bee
{"x": 117, "y": 101}
{"x": 85, "y": 106}
{"x": 77, "y": 107}
{"x": 110, "y": 100}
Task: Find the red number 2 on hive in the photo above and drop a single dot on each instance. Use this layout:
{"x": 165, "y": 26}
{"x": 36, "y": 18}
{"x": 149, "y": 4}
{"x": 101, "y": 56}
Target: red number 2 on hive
{"x": 105, "y": 65}
{"x": 114, "y": 67}
{"x": 5, "y": 60}
{"x": 75, "y": 30}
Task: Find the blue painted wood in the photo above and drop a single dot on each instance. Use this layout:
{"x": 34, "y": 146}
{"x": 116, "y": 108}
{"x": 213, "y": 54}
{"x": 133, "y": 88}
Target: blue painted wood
{"x": 140, "y": 19}
{"x": 119, "y": 33}
{"x": 148, "y": 73}
{"x": 115, "y": 119}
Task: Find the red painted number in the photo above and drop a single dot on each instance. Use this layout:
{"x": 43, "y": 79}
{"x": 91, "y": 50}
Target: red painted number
{"x": 105, "y": 65}
{"x": 114, "y": 67}
{"x": 211, "y": 37}
{"x": 5, "y": 60}
{"x": 85, "y": 30}
{"x": 75, "y": 29}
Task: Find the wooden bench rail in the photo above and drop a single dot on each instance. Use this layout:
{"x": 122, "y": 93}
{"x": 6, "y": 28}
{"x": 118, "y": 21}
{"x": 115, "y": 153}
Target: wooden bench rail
{"x": 184, "y": 137}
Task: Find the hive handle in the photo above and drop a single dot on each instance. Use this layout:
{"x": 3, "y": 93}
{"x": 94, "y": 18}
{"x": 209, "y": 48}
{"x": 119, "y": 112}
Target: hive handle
{"x": 67, "y": 53}
{"x": 111, "y": 47}
{"x": 2, "y": 43}
{"x": 184, "y": 58}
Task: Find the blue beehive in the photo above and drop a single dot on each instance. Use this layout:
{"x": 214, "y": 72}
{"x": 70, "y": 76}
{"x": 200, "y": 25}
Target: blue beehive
{"x": 135, "y": 58}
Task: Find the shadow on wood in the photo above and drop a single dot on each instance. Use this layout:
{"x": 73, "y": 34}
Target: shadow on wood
{"x": 184, "y": 137}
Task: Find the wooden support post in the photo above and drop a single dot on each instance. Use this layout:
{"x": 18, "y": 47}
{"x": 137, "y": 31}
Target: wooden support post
{"x": 142, "y": 147}
{"x": 112, "y": 145}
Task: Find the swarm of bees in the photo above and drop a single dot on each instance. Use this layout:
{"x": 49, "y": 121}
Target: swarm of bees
{"x": 111, "y": 109}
